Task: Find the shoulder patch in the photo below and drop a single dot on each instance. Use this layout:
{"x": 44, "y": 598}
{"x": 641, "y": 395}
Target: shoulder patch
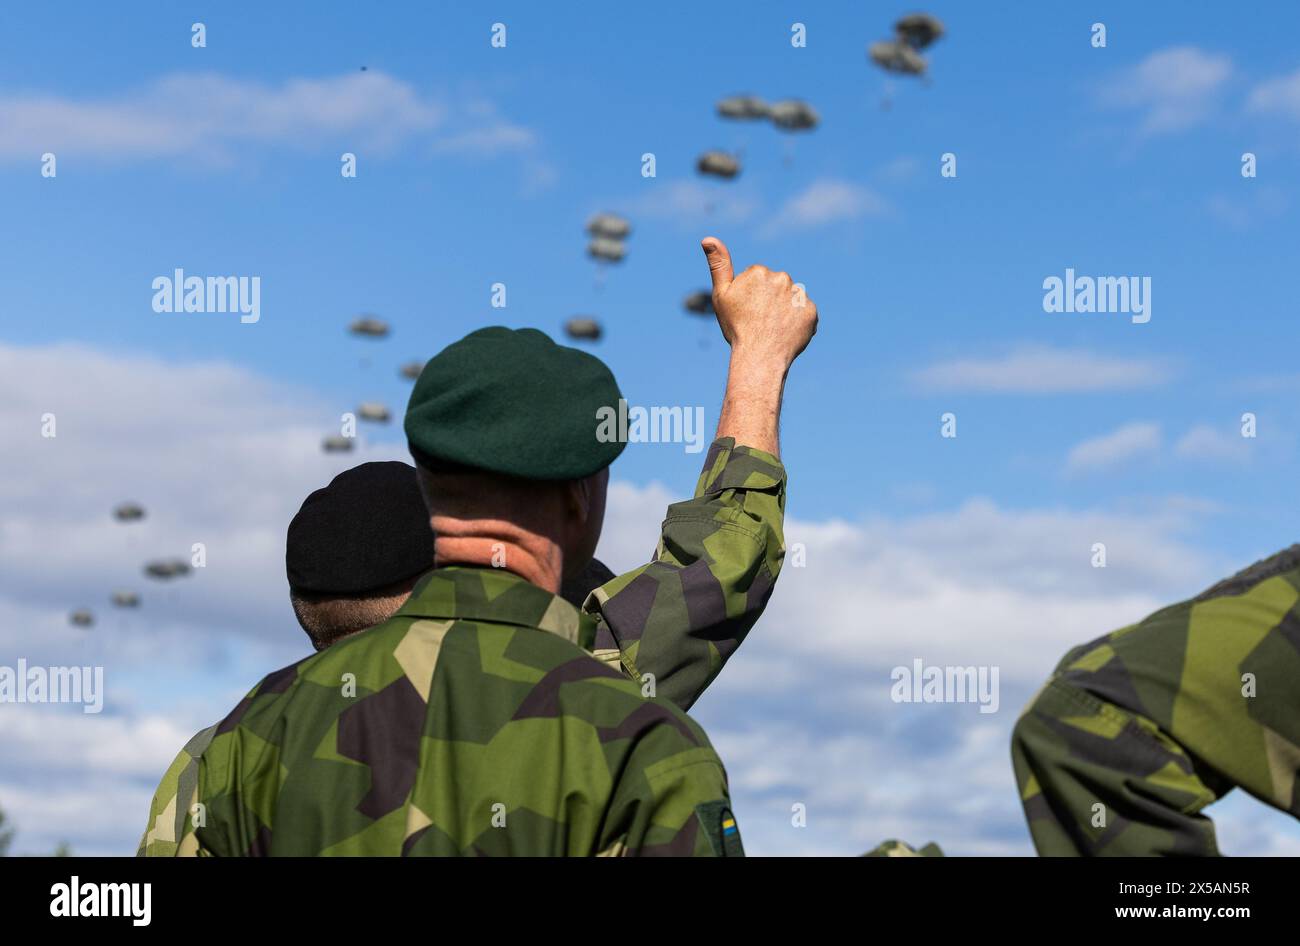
{"x": 719, "y": 827}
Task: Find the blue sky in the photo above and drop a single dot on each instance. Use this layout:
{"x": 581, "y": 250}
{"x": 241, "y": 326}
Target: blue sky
{"x": 479, "y": 165}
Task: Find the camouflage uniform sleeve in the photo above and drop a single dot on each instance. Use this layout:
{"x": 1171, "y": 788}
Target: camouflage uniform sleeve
{"x": 240, "y": 775}
{"x": 170, "y": 806}
{"x": 681, "y": 617}
{"x": 1135, "y": 734}
{"x": 1097, "y": 780}
{"x": 216, "y": 829}
{"x": 671, "y": 800}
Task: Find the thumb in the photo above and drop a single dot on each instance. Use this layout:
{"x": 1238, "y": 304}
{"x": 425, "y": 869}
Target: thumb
{"x": 719, "y": 257}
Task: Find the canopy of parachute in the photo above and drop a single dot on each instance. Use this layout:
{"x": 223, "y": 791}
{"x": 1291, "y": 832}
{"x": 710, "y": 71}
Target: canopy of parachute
{"x": 901, "y": 54}
{"x": 374, "y": 411}
{"x": 411, "y": 370}
{"x": 165, "y": 569}
{"x": 718, "y": 164}
{"x": 369, "y": 327}
{"x": 336, "y": 444}
{"x": 82, "y": 617}
{"x": 609, "y": 250}
{"x": 794, "y": 115}
{"x": 918, "y": 30}
{"x": 896, "y": 56}
{"x": 128, "y": 512}
{"x": 611, "y": 226}
{"x": 790, "y": 115}
{"x": 701, "y": 302}
{"x": 607, "y": 232}
{"x": 126, "y": 599}
{"x": 743, "y": 107}
{"x": 583, "y": 328}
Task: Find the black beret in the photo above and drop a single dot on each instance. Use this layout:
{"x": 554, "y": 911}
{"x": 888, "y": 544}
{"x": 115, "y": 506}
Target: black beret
{"x": 366, "y": 530}
{"x": 513, "y": 402}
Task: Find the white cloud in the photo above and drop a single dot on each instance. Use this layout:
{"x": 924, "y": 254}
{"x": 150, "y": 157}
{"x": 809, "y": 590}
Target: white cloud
{"x": 902, "y": 168}
{"x": 688, "y": 202}
{"x": 216, "y": 454}
{"x": 1174, "y": 88}
{"x": 211, "y": 117}
{"x": 1115, "y": 448}
{"x": 1269, "y": 384}
{"x": 1204, "y": 442}
{"x": 83, "y": 779}
{"x": 825, "y": 202}
{"x": 1262, "y": 204}
{"x": 488, "y": 141}
{"x": 1279, "y": 96}
{"x": 488, "y": 134}
{"x": 1042, "y": 370}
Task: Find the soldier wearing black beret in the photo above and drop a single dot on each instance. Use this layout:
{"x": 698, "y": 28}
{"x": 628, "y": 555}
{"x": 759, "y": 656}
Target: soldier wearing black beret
{"x": 355, "y": 549}
{"x": 352, "y": 554}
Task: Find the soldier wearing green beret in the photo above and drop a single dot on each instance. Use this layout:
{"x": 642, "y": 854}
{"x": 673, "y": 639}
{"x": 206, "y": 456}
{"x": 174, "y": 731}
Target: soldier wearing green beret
{"x": 487, "y": 715}
{"x": 1138, "y": 731}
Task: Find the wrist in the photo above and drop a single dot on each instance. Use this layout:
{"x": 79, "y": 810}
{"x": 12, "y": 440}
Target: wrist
{"x": 754, "y": 362}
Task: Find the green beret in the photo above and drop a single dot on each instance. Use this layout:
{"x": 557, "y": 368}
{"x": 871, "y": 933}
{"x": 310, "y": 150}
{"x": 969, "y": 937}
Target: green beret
{"x": 513, "y": 402}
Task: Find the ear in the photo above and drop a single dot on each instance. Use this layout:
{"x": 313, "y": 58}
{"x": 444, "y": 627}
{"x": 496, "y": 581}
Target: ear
{"x": 578, "y": 496}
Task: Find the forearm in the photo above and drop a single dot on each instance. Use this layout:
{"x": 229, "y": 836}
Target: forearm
{"x": 751, "y": 406}
{"x": 679, "y": 618}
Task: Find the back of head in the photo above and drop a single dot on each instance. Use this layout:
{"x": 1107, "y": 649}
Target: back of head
{"x": 355, "y": 549}
{"x": 328, "y": 619}
{"x": 504, "y": 426}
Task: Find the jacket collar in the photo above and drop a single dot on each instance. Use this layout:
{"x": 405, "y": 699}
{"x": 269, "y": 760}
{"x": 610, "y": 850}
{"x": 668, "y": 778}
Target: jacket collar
{"x": 499, "y": 597}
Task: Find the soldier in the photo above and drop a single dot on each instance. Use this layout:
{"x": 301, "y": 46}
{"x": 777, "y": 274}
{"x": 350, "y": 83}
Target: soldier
{"x": 1136, "y": 732}
{"x": 476, "y": 720}
{"x": 352, "y": 555}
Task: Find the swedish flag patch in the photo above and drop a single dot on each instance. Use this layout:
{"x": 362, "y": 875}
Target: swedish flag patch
{"x": 719, "y": 826}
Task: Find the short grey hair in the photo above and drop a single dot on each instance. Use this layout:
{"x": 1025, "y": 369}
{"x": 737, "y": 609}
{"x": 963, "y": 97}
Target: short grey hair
{"x": 327, "y": 620}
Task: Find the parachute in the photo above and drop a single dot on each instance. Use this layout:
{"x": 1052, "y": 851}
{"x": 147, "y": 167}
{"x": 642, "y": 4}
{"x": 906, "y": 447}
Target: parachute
{"x": 369, "y": 327}
{"x": 611, "y": 226}
{"x": 373, "y": 411}
{"x": 794, "y": 115}
{"x": 743, "y": 107}
{"x": 167, "y": 568}
{"x": 918, "y": 30}
{"x": 897, "y": 56}
{"x": 718, "y": 164}
{"x": 128, "y": 512}
{"x": 701, "y": 303}
{"x": 901, "y": 54}
{"x": 604, "y": 248}
{"x": 583, "y": 329}
{"x": 336, "y": 444}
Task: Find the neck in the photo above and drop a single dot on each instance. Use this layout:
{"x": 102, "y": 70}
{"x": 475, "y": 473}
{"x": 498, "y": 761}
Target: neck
{"x": 500, "y": 544}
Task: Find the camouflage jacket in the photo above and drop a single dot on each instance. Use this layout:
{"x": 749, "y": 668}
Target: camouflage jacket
{"x": 1136, "y": 732}
{"x": 670, "y": 625}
